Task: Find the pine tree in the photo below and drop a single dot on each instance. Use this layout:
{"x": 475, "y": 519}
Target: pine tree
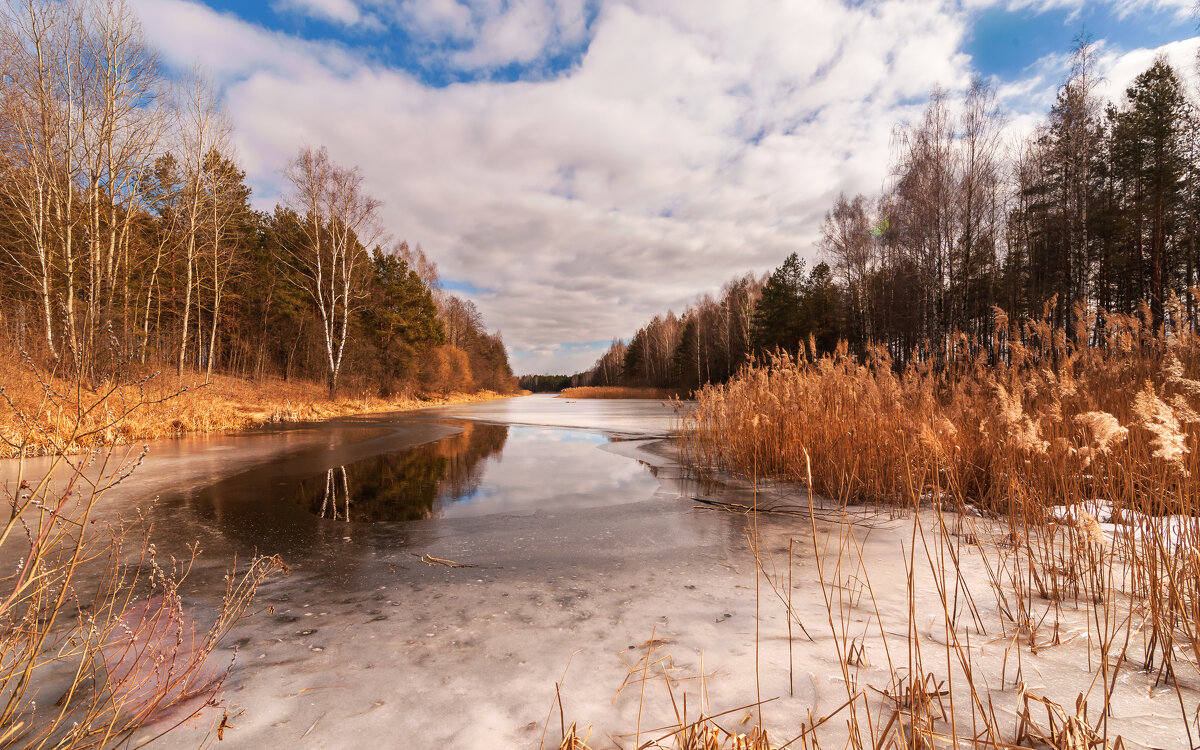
{"x": 777, "y": 320}
{"x": 1154, "y": 127}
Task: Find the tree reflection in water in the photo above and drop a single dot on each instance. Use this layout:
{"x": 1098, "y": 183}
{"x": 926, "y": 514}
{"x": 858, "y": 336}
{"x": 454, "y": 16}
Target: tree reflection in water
{"x": 409, "y": 485}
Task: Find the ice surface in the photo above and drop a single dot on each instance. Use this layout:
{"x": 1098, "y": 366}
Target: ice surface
{"x": 634, "y": 417}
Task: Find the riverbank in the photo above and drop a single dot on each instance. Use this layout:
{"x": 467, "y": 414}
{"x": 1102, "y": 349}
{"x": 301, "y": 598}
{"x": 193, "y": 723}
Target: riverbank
{"x": 41, "y": 417}
{"x": 595, "y": 391}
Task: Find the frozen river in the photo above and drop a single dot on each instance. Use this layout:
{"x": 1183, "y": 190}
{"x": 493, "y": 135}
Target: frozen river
{"x": 584, "y": 552}
{"x": 582, "y": 528}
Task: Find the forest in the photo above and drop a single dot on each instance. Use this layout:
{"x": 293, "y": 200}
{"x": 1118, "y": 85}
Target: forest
{"x": 1095, "y": 212}
{"x": 128, "y": 241}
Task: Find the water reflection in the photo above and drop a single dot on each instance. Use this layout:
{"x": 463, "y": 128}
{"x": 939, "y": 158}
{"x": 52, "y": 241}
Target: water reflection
{"x": 409, "y": 485}
{"x": 372, "y": 495}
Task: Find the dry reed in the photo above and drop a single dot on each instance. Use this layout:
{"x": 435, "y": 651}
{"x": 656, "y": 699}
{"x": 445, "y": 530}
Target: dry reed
{"x": 1082, "y": 449}
{"x": 1060, "y": 472}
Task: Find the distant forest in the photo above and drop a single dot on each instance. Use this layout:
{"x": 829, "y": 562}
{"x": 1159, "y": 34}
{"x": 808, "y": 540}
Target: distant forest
{"x": 127, "y": 239}
{"x": 1098, "y": 210}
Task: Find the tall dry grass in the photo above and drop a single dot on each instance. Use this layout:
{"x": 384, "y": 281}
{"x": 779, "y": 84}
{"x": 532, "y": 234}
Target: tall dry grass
{"x": 1044, "y": 421}
{"x": 1072, "y": 460}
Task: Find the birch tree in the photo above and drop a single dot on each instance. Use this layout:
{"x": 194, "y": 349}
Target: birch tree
{"x": 226, "y": 207}
{"x": 35, "y": 39}
{"x": 115, "y": 88}
{"x": 340, "y": 220}
{"x": 201, "y": 127}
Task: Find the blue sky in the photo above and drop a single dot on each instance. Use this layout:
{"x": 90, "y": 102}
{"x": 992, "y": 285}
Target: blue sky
{"x": 399, "y": 42}
{"x": 1005, "y": 42}
{"x": 577, "y": 166}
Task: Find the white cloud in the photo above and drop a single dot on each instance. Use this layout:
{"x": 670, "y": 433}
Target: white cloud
{"x": 437, "y": 19}
{"x": 187, "y": 32}
{"x": 693, "y": 140}
{"x": 488, "y": 34}
{"x": 1119, "y": 69}
{"x": 345, "y": 12}
{"x": 1028, "y": 99}
{"x": 1181, "y": 9}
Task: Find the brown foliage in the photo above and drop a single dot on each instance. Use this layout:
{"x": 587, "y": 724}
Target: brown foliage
{"x": 1038, "y": 431}
{"x": 92, "y": 613}
{"x": 447, "y": 370}
{"x": 1029, "y": 413}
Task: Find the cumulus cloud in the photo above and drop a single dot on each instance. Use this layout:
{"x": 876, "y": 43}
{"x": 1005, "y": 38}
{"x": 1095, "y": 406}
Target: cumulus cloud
{"x": 1028, "y": 99}
{"x": 690, "y": 141}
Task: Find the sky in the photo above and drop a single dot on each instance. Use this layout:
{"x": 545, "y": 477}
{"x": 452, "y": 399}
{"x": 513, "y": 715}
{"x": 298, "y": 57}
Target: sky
{"x": 578, "y": 166}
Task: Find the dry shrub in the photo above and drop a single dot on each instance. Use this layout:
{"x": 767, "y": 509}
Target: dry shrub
{"x": 447, "y": 369}
{"x": 1026, "y": 419}
{"x": 43, "y": 413}
{"x": 1028, "y": 412}
{"x": 95, "y": 638}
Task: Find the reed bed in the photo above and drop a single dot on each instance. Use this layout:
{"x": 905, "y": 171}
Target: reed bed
{"x": 599, "y": 391}
{"x": 1073, "y": 459}
{"x": 1030, "y": 417}
{"x": 39, "y": 410}
{"x": 975, "y": 532}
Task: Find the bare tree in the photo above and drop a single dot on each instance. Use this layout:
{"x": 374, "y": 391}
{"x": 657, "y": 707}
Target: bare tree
{"x": 36, "y": 38}
{"x": 846, "y": 237}
{"x": 924, "y": 184}
{"x": 977, "y": 220}
{"x": 114, "y": 91}
{"x": 225, "y": 206}
{"x": 202, "y": 127}
{"x": 425, "y": 268}
{"x": 461, "y": 318}
{"x": 340, "y": 221}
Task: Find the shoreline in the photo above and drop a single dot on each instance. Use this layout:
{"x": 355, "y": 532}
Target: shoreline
{"x": 36, "y": 422}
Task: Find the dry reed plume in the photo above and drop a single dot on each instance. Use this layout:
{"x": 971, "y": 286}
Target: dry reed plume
{"x": 1071, "y": 458}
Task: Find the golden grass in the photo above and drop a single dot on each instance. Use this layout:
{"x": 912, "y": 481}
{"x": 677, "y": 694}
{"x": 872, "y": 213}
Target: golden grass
{"x": 615, "y": 392}
{"x": 39, "y": 416}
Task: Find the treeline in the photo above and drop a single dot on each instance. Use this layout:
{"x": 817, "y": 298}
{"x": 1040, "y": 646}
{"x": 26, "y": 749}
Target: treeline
{"x": 1098, "y": 210}
{"x": 708, "y": 343}
{"x": 546, "y": 383}
{"x": 127, "y": 238}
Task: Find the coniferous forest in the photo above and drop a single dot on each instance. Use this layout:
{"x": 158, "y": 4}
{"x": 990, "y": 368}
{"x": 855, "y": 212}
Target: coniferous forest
{"x": 1096, "y": 211}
